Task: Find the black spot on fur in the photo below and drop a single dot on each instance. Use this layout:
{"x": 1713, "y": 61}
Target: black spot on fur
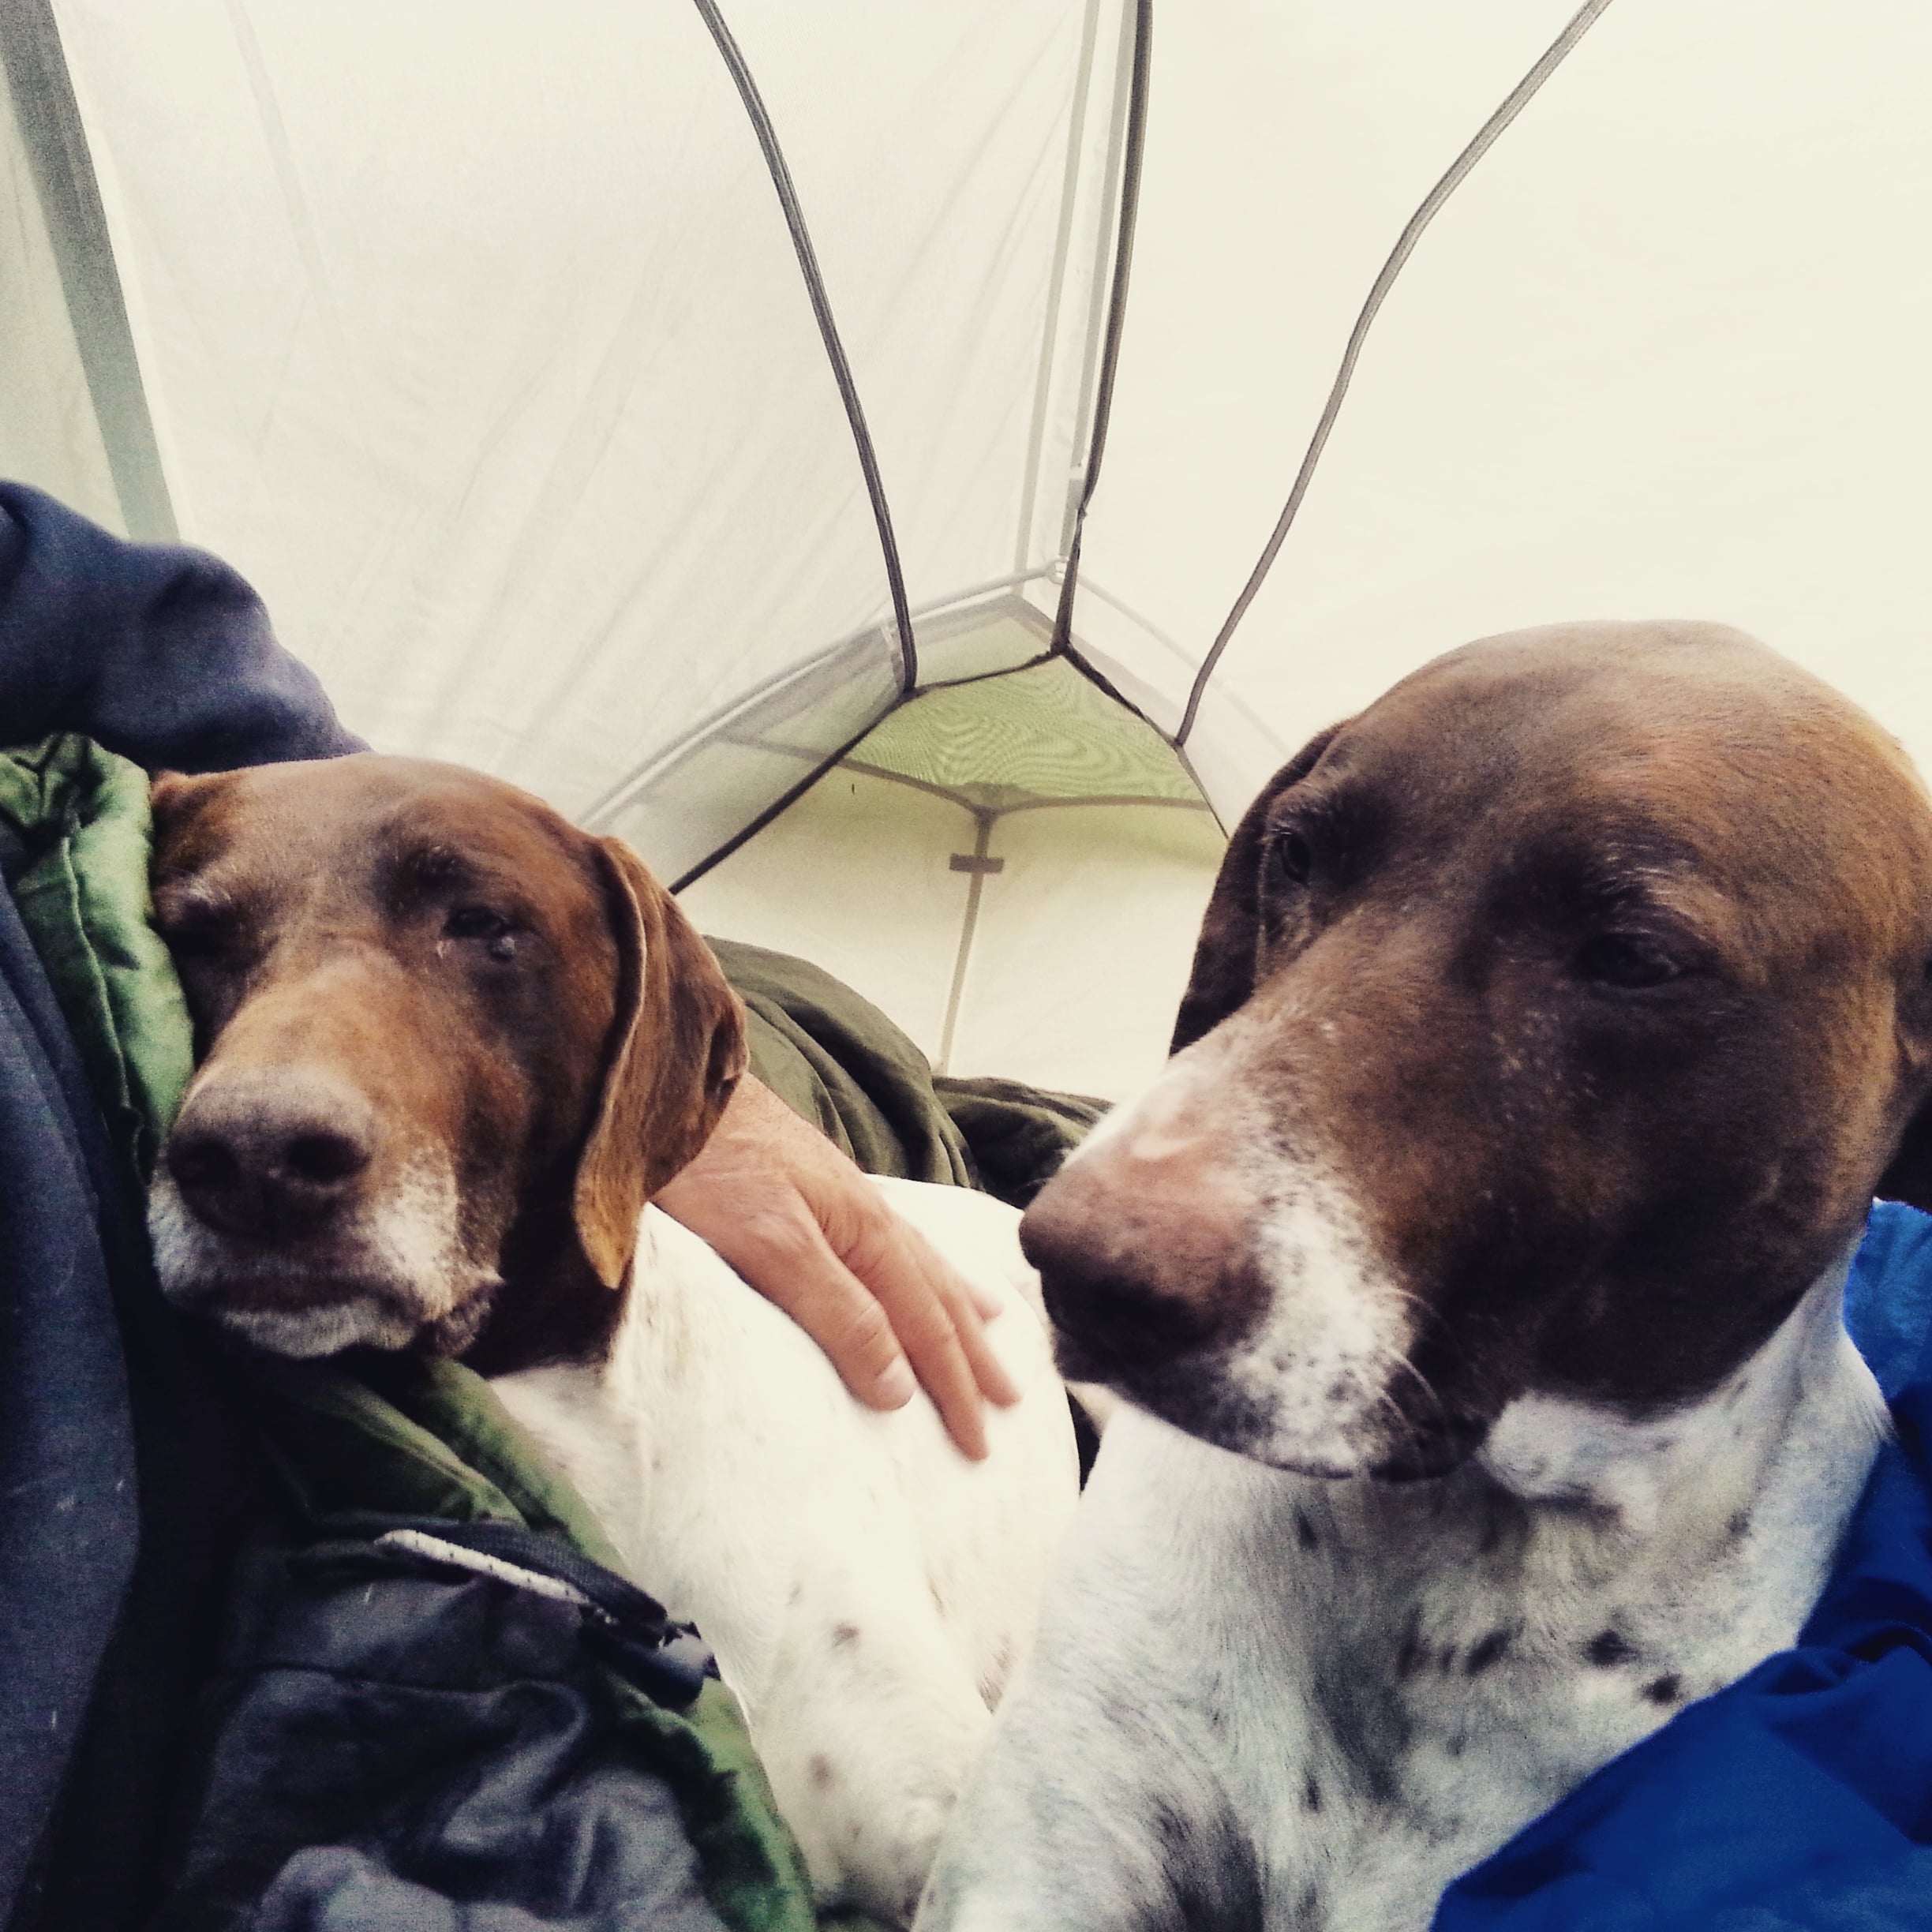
{"x": 1411, "y": 1652}
{"x": 1311, "y": 1792}
{"x": 844, "y": 1635}
{"x": 992, "y": 1686}
{"x": 1609, "y": 1647}
{"x": 1305, "y": 1532}
{"x": 818, "y": 1767}
{"x": 1488, "y": 1651}
{"x": 1665, "y": 1690}
{"x": 1169, "y": 1827}
{"x": 1308, "y": 1909}
{"x": 1739, "y": 1527}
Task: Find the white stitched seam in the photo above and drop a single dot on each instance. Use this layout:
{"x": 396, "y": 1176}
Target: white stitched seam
{"x": 421, "y": 1544}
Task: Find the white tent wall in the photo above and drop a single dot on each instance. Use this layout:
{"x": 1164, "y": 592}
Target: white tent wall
{"x": 1064, "y": 968}
{"x": 1663, "y": 352}
{"x": 482, "y": 349}
{"x": 73, "y": 414}
{"x": 478, "y": 339}
{"x": 47, "y": 426}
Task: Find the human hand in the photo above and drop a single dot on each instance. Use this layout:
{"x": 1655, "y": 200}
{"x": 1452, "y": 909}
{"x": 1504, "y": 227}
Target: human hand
{"x": 779, "y": 1202}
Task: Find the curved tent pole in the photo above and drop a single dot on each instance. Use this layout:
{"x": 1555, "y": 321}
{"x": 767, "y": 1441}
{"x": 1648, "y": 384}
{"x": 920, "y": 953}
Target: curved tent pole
{"x": 33, "y": 66}
{"x": 828, "y": 330}
{"x": 1116, "y": 318}
{"x": 1485, "y": 137}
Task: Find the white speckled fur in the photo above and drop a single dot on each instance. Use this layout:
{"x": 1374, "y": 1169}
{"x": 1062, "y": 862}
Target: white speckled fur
{"x": 868, "y": 1592}
{"x": 1263, "y": 1699}
{"x": 403, "y": 1247}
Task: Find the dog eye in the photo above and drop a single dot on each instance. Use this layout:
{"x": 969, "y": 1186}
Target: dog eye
{"x": 1628, "y": 962}
{"x": 498, "y": 937}
{"x": 1291, "y": 860}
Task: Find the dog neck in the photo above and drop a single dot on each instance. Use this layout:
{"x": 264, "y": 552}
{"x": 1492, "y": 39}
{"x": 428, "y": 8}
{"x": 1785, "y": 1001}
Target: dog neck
{"x": 1687, "y": 1472}
{"x": 1587, "y": 1573}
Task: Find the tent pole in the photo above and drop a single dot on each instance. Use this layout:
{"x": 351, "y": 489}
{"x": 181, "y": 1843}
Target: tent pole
{"x": 976, "y": 868}
{"x": 828, "y": 331}
{"x": 1485, "y": 137}
{"x": 37, "y": 77}
{"x": 1056, "y": 287}
{"x": 1132, "y": 145}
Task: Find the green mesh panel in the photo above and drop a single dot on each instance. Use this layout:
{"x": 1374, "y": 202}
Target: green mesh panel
{"x": 1035, "y": 736}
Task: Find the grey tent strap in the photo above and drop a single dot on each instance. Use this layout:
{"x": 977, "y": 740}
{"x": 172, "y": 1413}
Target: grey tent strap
{"x": 828, "y": 330}
{"x": 419, "y": 1543}
{"x": 1116, "y": 319}
{"x": 1484, "y": 139}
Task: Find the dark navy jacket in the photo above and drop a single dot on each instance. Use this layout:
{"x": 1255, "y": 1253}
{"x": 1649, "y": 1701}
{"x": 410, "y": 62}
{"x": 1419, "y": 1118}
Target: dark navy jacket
{"x": 165, "y": 656}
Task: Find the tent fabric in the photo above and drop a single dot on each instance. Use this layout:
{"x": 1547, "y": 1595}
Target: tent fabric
{"x": 1801, "y": 1796}
{"x": 488, "y": 355}
{"x": 1013, "y": 869}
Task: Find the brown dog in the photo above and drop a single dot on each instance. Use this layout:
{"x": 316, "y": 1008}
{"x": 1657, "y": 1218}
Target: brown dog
{"x": 444, "y": 1036}
{"x": 1589, "y": 966}
{"x": 449, "y": 1046}
{"x": 1552, "y": 1024}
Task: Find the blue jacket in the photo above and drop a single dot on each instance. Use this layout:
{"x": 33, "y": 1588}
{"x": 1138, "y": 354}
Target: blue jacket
{"x": 1801, "y": 1796}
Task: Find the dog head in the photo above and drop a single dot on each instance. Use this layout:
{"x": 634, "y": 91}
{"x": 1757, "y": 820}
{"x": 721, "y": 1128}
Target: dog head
{"x": 442, "y": 1037}
{"x": 1551, "y": 1025}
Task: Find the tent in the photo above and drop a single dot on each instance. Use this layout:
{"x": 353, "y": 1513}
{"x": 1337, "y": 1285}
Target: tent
{"x": 912, "y": 469}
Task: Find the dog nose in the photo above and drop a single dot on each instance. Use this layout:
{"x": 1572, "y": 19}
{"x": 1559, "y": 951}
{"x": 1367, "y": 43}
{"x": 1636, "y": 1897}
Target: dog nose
{"x": 1144, "y": 1250}
{"x": 268, "y": 1159}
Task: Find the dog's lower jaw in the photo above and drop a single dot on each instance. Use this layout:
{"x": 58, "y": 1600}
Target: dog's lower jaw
{"x": 405, "y": 1280}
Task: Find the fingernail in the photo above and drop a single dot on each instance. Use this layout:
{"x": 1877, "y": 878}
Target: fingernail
{"x": 896, "y": 1384}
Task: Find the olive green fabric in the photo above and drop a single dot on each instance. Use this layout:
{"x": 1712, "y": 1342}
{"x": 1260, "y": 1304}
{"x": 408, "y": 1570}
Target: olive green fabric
{"x": 81, "y": 815}
{"x": 841, "y": 1064}
{"x": 837, "y": 1060}
{"x": 435, "y": 1441}
{"x": 1016, "y": 1136}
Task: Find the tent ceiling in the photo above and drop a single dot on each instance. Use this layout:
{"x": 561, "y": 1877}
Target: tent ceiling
{"x": 485, "y": 351}
{"x": 1034, "y": 738}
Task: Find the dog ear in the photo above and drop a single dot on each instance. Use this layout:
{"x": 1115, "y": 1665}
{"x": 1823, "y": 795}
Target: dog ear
{"x": 1228, "y": 951}
{"x": 677, "y": 1049}
{"x": 1908, "y": 1177}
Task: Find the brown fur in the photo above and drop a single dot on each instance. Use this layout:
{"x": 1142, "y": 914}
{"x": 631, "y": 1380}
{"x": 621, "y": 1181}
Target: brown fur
{"x": 1411, "y": 964}
{"x": 330, "y": 922}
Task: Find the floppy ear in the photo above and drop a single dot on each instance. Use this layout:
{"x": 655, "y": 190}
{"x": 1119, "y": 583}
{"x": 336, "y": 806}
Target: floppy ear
{"x": 1908, "y": 1177}
{"x": 1228, "y": 951}
{"x": 677, "y": 1049}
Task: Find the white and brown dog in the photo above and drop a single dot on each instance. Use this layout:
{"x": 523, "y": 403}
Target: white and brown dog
{"x": 450, "y": 1047}
{"x": 1474, "y": 1273}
